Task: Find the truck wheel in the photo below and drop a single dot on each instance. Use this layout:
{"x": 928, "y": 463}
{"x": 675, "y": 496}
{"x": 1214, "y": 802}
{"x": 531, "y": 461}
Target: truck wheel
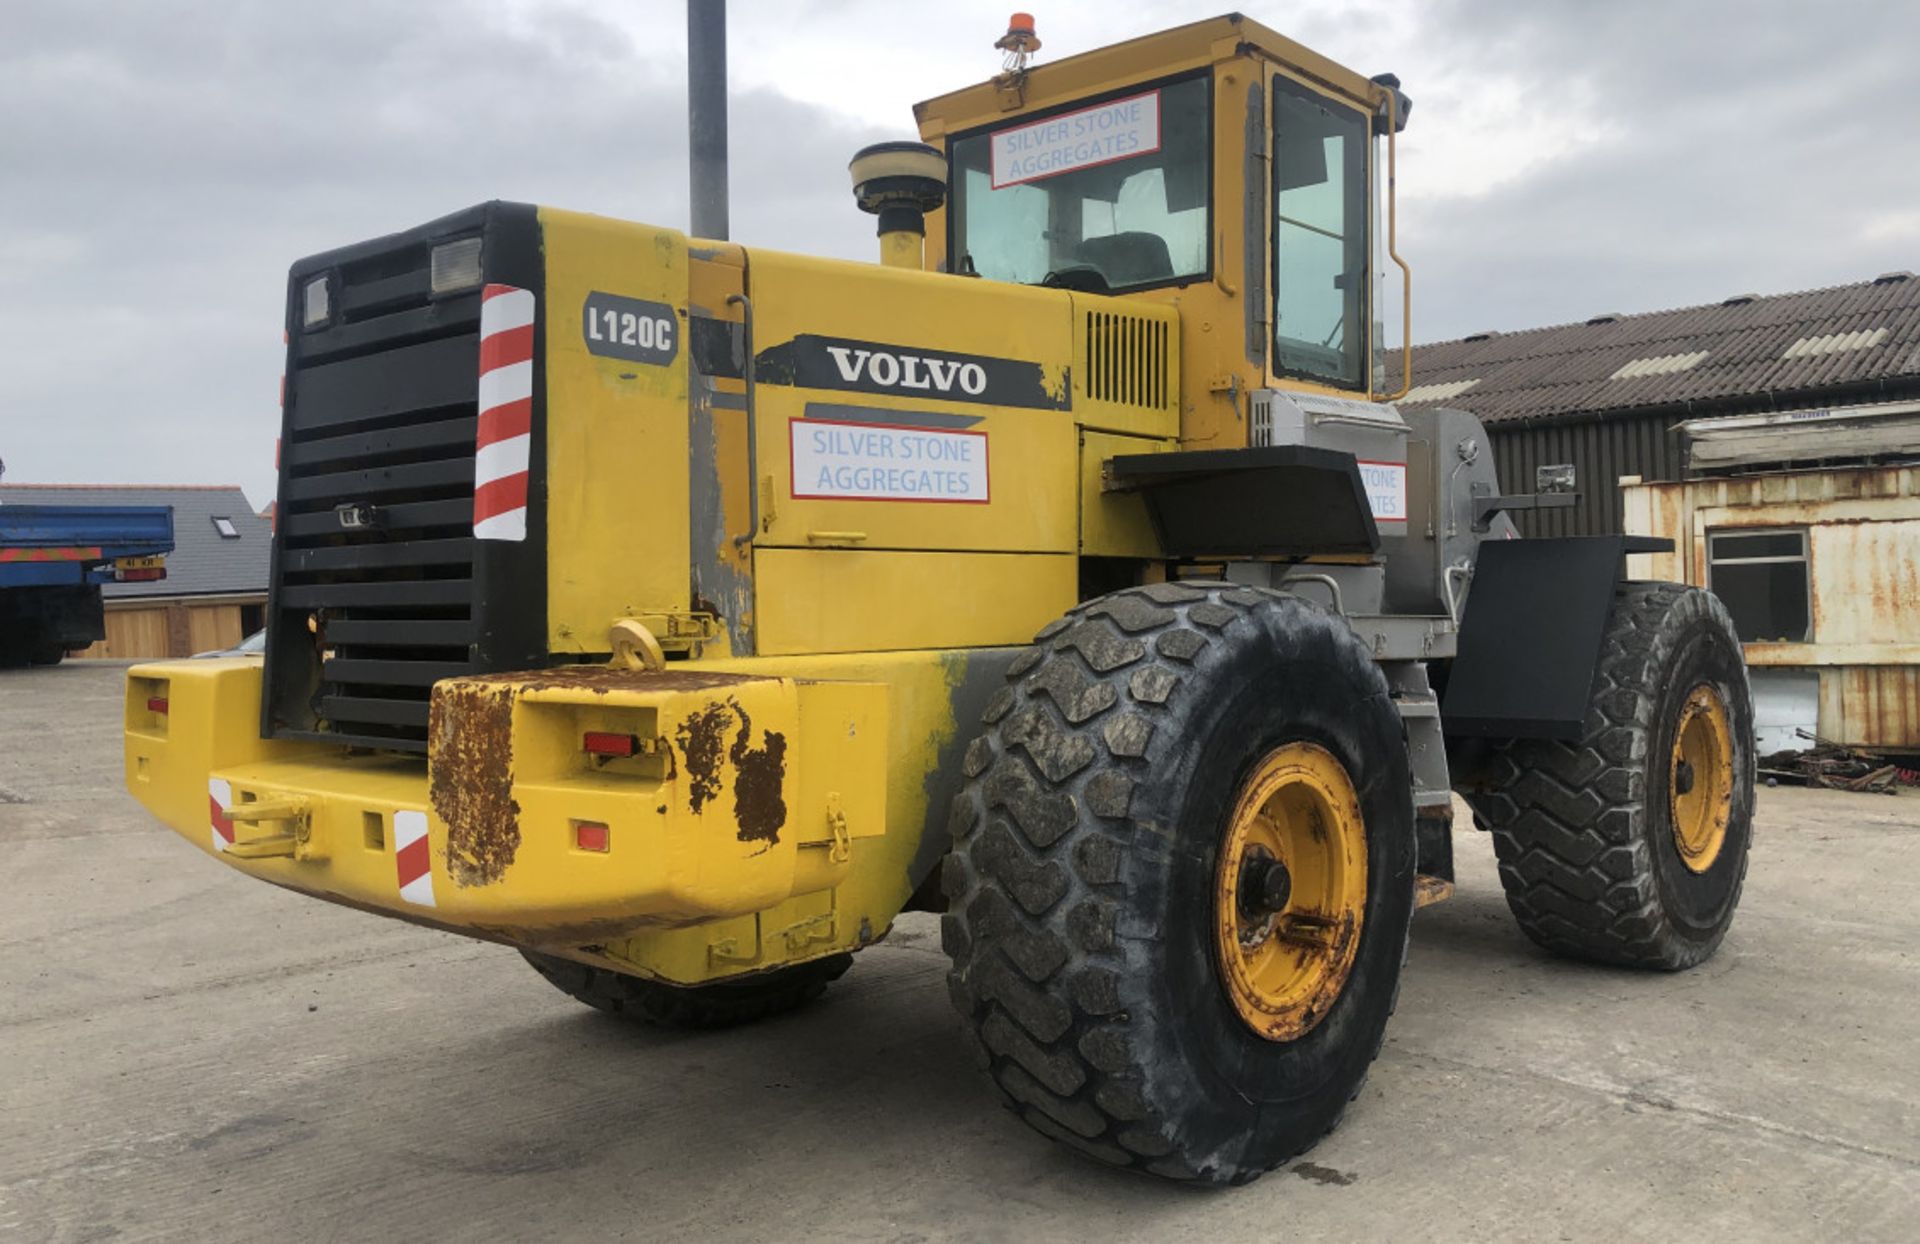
{"x": 722, "y": 1004}
{"x": 51, "y": 654}
{"x": 1629, "y": 845}
{"x": 1182, "y": 877}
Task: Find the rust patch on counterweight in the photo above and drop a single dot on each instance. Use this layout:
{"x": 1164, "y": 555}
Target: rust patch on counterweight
{"x": 759, "y": 808}
{"x": 471, "y": 783}
{"x": 702, "y": 738}
{"x": 600, "y": 679}
{"x": 757, "y": 805}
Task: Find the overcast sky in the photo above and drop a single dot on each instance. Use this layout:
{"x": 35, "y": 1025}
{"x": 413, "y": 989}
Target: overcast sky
{"x": 162, "y": 161}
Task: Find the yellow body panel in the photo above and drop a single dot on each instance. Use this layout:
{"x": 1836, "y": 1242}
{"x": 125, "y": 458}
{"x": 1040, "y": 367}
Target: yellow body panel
{"x": 1114, "y": 524}
{"x": 608, "y": 419}
{"x": 797, "y": 297}
{"x": 853, "y": 600}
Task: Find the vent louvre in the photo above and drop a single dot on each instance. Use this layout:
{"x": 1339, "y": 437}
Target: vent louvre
{"x": 1260, "y": 426}
{"x": 1126, "y": 359}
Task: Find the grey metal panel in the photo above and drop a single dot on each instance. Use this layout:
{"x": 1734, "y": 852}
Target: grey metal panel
{"x": 1785, "y": 701}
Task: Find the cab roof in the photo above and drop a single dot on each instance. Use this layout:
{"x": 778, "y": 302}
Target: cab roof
{"x": 1157, "y": 55}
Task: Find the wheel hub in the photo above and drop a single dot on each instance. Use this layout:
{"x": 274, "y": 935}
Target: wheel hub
{"x": 1265, "y": 885}
{"x": 1290, "y": 891}
{"x": 1700, "y": 791}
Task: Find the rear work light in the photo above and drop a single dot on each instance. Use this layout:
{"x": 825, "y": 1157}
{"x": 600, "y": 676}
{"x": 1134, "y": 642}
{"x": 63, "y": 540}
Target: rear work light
{"x": 455, "y": 266}
{"x": 315, "y": 305}
{"x": 607, "y": 743}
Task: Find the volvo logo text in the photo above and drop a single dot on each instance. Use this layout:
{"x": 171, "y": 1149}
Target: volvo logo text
{"x": 908, "y": 371}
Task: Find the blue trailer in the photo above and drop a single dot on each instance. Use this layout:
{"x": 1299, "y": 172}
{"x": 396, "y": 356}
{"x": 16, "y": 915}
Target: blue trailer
{"x": 53, "y": 561}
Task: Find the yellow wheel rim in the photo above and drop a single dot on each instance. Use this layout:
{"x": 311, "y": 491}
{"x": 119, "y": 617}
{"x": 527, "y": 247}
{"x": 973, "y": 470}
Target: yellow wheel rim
{"x": 1700, "y": 778}
{"x": 1290, "y": 891}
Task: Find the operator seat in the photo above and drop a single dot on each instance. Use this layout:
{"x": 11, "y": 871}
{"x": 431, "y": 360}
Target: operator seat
{"x": 1134, "y": 258}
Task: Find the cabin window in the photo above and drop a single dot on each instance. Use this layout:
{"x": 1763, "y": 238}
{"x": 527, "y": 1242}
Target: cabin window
{"x": 1761, "y": 577}
{"x": 1320, "y": 264}
{"x": 1104, "y": 196}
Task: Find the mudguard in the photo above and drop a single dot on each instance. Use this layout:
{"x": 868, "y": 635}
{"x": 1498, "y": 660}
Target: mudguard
{"x": 1530, "y": 639}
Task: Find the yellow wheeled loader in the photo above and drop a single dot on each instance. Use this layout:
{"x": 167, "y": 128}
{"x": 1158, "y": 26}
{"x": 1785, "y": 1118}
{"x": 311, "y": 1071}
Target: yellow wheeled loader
{"x": 679, "y": 613}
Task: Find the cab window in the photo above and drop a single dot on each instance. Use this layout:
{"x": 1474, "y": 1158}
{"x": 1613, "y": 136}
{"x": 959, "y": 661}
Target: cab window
{"x": 1319, "y": 237}
{"x": 1106, "y": 196}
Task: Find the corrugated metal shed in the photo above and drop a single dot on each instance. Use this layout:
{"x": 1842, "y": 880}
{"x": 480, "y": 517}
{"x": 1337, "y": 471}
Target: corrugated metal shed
{"x": 203, "y": 562}
{"x": 1601, "y": 450}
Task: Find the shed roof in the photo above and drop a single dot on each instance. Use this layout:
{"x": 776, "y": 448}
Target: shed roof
{"x": 1744, "y": 353}
{"x": 203, "y": 562}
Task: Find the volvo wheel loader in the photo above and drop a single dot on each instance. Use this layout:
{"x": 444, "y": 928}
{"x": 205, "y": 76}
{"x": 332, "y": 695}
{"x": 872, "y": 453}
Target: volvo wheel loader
{"x": 678, "y": 612}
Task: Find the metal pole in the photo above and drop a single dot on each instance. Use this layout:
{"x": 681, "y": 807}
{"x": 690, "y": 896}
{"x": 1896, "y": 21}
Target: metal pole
{"x": 707, "y": 115}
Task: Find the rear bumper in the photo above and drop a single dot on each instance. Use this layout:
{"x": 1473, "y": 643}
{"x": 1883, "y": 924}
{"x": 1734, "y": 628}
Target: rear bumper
{"x": 743, "y": 791}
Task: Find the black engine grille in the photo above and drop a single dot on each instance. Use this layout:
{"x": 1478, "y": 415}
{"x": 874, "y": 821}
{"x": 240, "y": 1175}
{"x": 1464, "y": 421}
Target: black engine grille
{"x": 376, "y": 580}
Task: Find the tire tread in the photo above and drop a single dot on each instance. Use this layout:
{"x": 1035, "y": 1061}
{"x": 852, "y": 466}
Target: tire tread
{"x": 1086, "y": 699}
{"x": 1577, "y": 872}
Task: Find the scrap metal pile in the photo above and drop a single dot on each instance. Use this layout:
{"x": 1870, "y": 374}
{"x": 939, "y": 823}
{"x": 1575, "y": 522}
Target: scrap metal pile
{"x": 1838, "y": 767}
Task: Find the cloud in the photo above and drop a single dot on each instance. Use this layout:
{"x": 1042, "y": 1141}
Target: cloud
{"x": 1747, "y": 148}
{"x": 173, "y": 170}
{"x": 164, "y": 163}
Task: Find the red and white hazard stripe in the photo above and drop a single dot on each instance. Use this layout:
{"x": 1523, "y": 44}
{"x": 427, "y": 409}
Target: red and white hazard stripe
{"x": 220, "y": 796}
{"x": 506, "y": 414}
{"x": 413, "y": 858}
{"x": 412, "y": 855}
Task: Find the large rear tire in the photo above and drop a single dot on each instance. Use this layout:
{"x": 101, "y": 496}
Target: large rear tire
{"x": 1629, "y": 845}
{"x": 1140, "y": 983}
{"x": 722, "y": 1004}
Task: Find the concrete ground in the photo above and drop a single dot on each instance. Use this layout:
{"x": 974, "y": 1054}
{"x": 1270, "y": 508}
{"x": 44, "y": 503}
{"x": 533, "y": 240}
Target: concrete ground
{"x": 186, "y": 1054}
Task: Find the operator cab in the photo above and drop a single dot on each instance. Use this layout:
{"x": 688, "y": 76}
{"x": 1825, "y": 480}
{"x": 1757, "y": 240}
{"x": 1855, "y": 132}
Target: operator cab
{"x": 1218, "y": 167}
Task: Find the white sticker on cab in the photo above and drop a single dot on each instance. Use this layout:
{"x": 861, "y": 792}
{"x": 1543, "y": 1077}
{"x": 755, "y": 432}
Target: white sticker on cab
{"x": 1386, "y": 485}
{"x": 887, "y": 462}
{"x": 1116, "y": 130}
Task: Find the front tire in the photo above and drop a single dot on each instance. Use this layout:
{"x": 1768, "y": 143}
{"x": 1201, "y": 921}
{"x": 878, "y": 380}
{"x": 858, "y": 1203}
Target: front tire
{"x": 1102, "y": 842}
{"x": 722, "y": 1004}
{"x": 1629, "y": 845}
